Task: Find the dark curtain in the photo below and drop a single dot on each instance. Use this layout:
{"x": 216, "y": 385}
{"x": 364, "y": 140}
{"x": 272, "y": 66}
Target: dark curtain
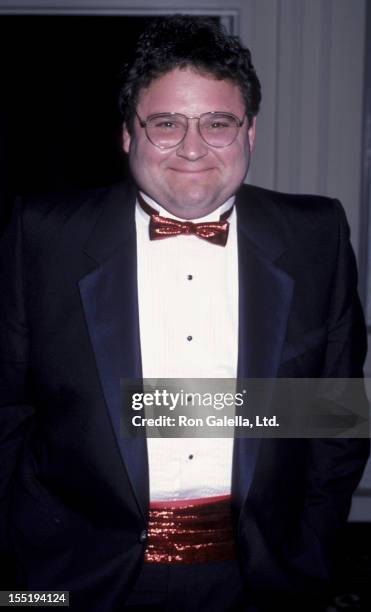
{"x": 59, "y": 121}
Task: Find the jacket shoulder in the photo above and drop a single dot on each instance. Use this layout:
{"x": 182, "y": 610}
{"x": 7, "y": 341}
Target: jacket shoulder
{"x": 71, "y": 214}
{"x": 298, "y": 203}
{"x": 293, "y": 215}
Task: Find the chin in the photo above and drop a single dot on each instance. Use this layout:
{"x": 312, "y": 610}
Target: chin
{"x": 195, "y": 206}
{"x": 192, "y": 210}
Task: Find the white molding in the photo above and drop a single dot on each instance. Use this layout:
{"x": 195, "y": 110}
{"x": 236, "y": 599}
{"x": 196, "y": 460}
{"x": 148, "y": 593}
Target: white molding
{"x": 228, "y": 17}
{"x": 324, "y": 88}
{"x": 277, "y": 86}
{"x": 122, "y": 7}
{"x": 296, "y": 97}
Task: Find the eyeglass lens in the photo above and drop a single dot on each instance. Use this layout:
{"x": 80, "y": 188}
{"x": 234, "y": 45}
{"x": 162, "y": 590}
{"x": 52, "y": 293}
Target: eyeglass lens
{"x": 217, "y": 129}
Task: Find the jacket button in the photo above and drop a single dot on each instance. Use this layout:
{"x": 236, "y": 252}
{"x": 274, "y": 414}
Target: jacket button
{"x": 143, "y": 536}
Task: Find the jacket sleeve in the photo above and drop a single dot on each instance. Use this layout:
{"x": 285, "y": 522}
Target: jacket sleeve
{"x": 335, "y": 465}
{"x": 16, "y": 409}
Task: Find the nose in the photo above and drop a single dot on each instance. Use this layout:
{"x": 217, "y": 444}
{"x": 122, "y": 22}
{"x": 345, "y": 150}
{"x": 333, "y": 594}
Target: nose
{"x": 192, "y": 147}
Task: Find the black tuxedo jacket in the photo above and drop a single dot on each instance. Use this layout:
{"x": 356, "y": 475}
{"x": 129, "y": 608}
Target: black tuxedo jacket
{"x": 74, "y": 493}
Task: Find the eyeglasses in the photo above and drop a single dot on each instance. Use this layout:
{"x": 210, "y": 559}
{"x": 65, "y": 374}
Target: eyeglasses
{"x": 167, "y": 130}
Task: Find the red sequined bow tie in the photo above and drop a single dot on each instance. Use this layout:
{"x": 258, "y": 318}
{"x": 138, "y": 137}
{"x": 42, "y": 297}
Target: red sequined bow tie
{"x": 164, "y": 227}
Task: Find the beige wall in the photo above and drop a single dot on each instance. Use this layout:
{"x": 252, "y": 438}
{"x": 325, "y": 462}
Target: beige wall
{"x": 310, "y": 56}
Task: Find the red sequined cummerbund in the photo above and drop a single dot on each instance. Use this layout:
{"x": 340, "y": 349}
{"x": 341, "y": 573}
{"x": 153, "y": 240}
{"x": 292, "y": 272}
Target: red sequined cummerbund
{"x": 190, "y": 531}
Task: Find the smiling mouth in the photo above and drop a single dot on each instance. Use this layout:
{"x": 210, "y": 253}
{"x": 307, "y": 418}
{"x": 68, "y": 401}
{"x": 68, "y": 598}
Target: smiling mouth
{"x": 186, "y": 171}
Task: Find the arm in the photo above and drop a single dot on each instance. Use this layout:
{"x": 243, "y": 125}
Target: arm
{"x": 15, "y": 408}
{"x": 335, "y": 466}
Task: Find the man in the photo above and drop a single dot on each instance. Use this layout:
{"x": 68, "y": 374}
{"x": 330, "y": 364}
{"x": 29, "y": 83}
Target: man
{"x": 183, "y": 274}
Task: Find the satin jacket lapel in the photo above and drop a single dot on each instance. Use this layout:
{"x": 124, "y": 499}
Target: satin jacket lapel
{"x": 265, "y": 293}
{"x": 110, "y": 302}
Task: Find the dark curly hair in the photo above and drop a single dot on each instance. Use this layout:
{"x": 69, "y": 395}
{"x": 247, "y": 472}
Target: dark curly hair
{"x": 179, "y": 41}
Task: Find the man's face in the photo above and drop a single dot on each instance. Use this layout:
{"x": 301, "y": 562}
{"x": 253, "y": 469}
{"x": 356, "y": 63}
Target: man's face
{"x": 193, "y": 178}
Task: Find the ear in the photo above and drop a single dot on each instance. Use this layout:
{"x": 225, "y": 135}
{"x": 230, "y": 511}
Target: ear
{"x": 126, "y": 139}
{"x": 251, "y": 133}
